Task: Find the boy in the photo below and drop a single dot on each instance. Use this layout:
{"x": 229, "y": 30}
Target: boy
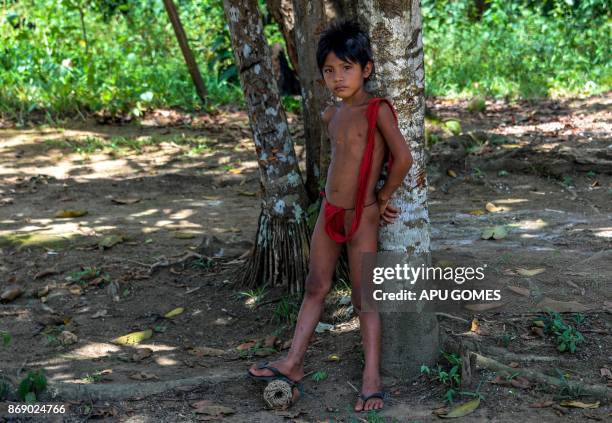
{"x": 352, "y": 210}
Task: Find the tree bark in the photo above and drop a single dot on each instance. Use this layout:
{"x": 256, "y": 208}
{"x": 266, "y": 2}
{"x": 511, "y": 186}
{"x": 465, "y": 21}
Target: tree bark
{"x": 282, "y": 12}
{"x": 280, "y": 255}
{"x": 184, "y": 45}
{"x": 408, "y": 339}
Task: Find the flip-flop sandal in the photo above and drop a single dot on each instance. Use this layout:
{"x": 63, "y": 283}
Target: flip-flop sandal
{"x": 278, "y": 375}
{"x": 380, "y": 394}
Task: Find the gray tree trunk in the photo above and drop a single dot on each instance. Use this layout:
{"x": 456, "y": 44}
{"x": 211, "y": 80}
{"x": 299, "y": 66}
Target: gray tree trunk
{"x": 408, "y": 339}
{"x": 282, "y": 11}
{"x": 280, "y": 255}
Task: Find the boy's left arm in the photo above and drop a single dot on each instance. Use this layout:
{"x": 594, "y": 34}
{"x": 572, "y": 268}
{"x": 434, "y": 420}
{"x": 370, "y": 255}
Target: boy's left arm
{"x": 402, "y": 160}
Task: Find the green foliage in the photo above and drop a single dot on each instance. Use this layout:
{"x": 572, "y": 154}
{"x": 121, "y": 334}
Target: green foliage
{"x": 121, "y": 56}
{"x": 287, "y": 310}
{"x": 449, "y": 376}
{"x": 566, "y": 336}
{"x": 319, "y": 376}
{"x": 6, "y": 338}
{"x": 517, "y": 48}
{"x": 32, "y": 386}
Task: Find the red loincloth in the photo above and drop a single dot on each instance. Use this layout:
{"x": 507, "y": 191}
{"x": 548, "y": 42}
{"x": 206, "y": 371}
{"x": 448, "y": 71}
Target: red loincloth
{"x": 334, "y": 215}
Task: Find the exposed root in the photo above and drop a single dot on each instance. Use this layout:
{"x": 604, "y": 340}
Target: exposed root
{"x": 280, "y": 254}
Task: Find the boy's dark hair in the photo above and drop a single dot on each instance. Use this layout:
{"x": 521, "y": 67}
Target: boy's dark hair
{"x": 348, "y": 41}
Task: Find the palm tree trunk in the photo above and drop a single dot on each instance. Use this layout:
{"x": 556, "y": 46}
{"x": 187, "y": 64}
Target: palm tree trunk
{"x": 280, "y": 255}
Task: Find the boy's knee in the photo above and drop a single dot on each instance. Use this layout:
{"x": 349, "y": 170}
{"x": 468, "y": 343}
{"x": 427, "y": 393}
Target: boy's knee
{"x": 317, "y": 287}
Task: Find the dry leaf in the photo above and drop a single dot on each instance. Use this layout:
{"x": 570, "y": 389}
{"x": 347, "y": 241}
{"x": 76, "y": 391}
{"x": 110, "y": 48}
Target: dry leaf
{"x": 492, "y": 208}
{"x": 100, "y": 313}
{"x": 246, "y": 345}
{"x": 563, "y": 306}
{"x": 125, "y": 200}
{"x": 483, "y": 306}
{"x": 143, "y": 376}
{"x": 11, "y": 292}
{"x": 46, "y": 272}
{"x": 65, "y": 214}
{"x": 529, "y": 272}
{"x": 578, "y": 404}
{"x": 270, "y": 341}
{"x": 213, "y": 409}
{"x": 185, "y": 235}
{"x": 519, "y": 290}
{"x": 206, "y": 352}
{"x": 133, "y": 338}
{"x": 542, "y": 404}
{"x": 333, "y": 357}
{"x": 110, "y": 241}
{"x": 477, "y": 212}
{"x": 175, "y": 312}
{"x": 67, "y": 338}
{"x": 462, "y": 409}
{"x": 451, "y": 173}
{"x": 605, "y": 372}
{"x": 141, "y": 354}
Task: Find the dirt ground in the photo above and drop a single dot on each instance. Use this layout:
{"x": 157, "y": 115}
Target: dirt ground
{"x": 154, "y": 191}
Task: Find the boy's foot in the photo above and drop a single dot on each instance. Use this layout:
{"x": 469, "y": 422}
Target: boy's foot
{"x": 291, "y": 372}
{"x": 371, "y": 397}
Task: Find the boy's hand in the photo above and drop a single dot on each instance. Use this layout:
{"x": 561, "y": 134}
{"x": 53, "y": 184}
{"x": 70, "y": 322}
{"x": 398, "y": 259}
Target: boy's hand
{"x": 387, "y": 213}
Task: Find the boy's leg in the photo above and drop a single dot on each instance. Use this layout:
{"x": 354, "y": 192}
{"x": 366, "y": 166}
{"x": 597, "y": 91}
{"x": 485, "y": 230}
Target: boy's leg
{"x": 324, "y": 253}
{"x": 365, "y": 240}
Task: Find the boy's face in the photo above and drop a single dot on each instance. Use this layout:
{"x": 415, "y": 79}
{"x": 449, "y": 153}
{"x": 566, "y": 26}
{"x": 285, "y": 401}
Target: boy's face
{"x": 344, "y": 78}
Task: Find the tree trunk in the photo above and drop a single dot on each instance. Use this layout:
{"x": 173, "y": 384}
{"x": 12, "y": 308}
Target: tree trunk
{"x": 408, "y": 339}
{"x": 282, "y": 12}
{"x": 280, "y": 255}
{"x": 184, "y": 45}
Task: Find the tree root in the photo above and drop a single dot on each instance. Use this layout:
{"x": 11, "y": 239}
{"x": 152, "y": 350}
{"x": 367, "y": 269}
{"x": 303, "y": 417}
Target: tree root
{"x": 495, "y": 366}
{"x": 466, "y": 348}
{"x": 113, "y": 391}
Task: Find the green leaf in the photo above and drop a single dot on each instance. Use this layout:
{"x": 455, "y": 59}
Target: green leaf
{"x": 462, "y": 409}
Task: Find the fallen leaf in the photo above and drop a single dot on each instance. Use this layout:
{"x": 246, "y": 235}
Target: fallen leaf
{"x": 333, "y": 357}
{"x": 143, "y": 376}
{"x": 110, "y": 241}
{"x": 605, "y": 372}
{"x": 477, "y": 212}
{"x": 11, "y": 292}
{"x": 205, "y": 352}
{"x": 462, "y": 409}
{"x": 513, "y": 364}
{"x": 246, "y": 345}
{"x": 175, "y": 312}
{"x": 519, "y": 290}
{"x": 46, "y": 272}
{"x": 67, "y": 338}
{"x": 133, "y": 338}
{"x": 483, "y": 306}
{"x": 451, "y": 173}
{"x": 66, "y": 214}
{"x": 578, "y": 404}
{"x": 529, "y": 272}
{"x": 212, "y": 409}
{"x": 520, "y": 382}
{"x": 125, "y": 200}
{"x": 474, "y": 325}
{"x": 492, "y": 208}
{"x": 235, "y": 171}
{"x": 542, "y": 404}
{"x": 563, "y": 306}
{"x": 75, "y": 290}
{"x": 185, "y": 235}
{"x": 141, "y": 354}
{"x": 247, "y": 193}
{"x": 100, "y": 313}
